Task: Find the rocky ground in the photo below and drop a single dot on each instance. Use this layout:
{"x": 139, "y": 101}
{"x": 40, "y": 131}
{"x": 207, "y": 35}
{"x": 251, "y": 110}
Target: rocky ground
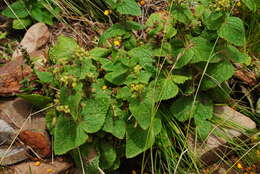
{"x": 25, "y": 145}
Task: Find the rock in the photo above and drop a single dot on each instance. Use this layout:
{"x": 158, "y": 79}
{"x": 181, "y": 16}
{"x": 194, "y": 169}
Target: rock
{"x": 246, "y": 76}
{"x": 16, "y": 111}
{"x": 39, "y": 59}
{"x": 11, "y": 74}
{"x": 7, "y": 133}
{"x": 215, "y": 146}
{"x": 231, "y": 115}
{"x": 36, "y": 36}
{"x": 13, "y": 156}
{"x": 44, "y": 168}
{"x": 38, "y": 140}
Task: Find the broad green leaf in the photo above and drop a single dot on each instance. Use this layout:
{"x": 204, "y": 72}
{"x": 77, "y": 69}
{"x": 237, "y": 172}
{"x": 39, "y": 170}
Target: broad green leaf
{"x": 182, "y": 14}
{"x": 202, "y": 50}
{"x": 86, "y": 69}
{"x": 203, "y": 128}
{"x": 108, "y": 155}
{"x": 124, "y": 93}
{"x": 44, "y": 77}
{"x": 160, "y": 22}
{"x": 99, "y": 52}
{"x": 184, "y": 108}
{"x": 42, "y": 15}
{"x": 132, "y": 25}
{"x": 216, "y": 74}
{"x": 214, "y": 20}
{"x": 139, "y": 140}
{"x": 67, "y": 135}
{"x": 142, "y": 111}
{"x": 233, "y": 31}
{"x": 234, "y": 54}
{"x": 164, "y": 50}
{"x": 220, "y": 93}
{"x": 64, "y": 48}
{"x": 21, "y": 23}
{"x": 117, "y": 72}
{"x": 117, "y": 77}
{"x": 94, "y": 114}
{"x": 203, "y": 108}
{"x": 113, "y": 31}
{"x": 170, "y": 31}
{"x": 19, "y": 8}
{"x": 129, "y": 7}
{"x": 184, "y": 57}
{"x": 73, "y": 102}
{"x": 144, "y": 54}
{"x": 163, "y": 89}
{"x": 250, "y": 4}
{"x": 115, "y": 123}
{"x": 181, "y": 108}
{"x": 180, "y": 79}
{"x": 36, "y": 99}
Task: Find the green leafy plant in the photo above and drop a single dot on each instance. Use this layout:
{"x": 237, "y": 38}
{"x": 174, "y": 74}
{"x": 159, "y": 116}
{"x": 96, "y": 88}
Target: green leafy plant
{"x": 24, "y": 12}
{"x": 110, "y": 98}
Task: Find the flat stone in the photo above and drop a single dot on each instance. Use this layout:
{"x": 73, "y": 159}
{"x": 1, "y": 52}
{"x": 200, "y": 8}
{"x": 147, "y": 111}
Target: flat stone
{"x": 231, "y": 115}
{"x": 38, "y": 140}
{"x": 13, "y": 156}
{"x": 16, "y": 111}
{"x": 7, "y": 133}
{"x": 35, "y": 37}
{"x": 214, "y": 146}
{"x": 44, "y": 168}
{"x": 11, "y": 74}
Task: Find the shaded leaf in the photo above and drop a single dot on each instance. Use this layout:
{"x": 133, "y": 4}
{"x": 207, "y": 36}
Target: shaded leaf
{"x": 139, "y": 140}
{"x": 217, "y": 73}
{"x": 108, "y": 155}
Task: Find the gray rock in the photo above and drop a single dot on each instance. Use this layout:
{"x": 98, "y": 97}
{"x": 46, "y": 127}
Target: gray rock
{"x": 35, "y": 37}
{"x": 215, "y": 147}
{"x": 13, "y": 156}
{"x": 54, "y": 167}
{"x": 7, "y": 133}
{"x": 16, "y": 111}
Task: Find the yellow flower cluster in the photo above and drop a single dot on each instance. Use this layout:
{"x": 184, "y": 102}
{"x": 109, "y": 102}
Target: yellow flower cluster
{"x": 81, "y": 53}
{"x": 69, "y": 80}
{"x": 137, "y": 87}
{"x": 107, "y": 12}
{"x": 63, "y": 108}
{"x": 138, "y": 68}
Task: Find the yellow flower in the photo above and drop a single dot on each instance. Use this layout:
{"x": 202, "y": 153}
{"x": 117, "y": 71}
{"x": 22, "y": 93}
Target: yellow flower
{"x": 238, "y": 3}
{"x": 117, "y": 43}
{"x": 50, "y": 170}
{"x": 257, "y": 153}
{"x": 38, "y": 163}
{"x": 142, "y": 2}
{"x": 107, "y": 12}
{"x": 104, "y": 87}
{"x": 239, "y": 165}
